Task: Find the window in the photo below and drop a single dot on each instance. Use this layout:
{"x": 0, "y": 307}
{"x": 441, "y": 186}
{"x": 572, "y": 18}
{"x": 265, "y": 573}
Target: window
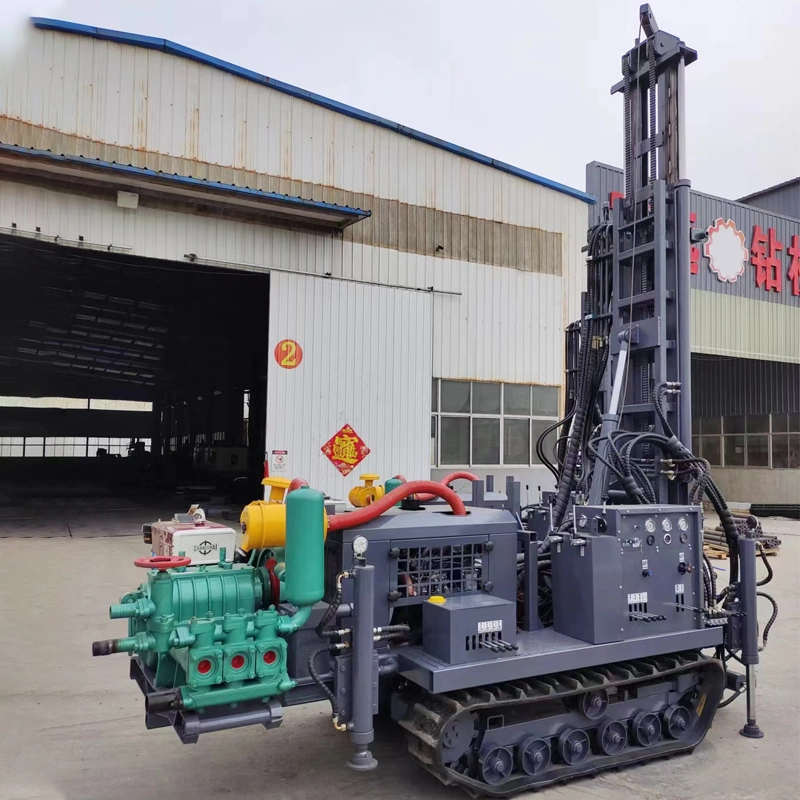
{"x": 734, "y": 451}
{"x": 516, "y": 441}
{"x": 75, "y": 402}
{"x": 538, "y": 427}
{"x": 485, "y": 441}
{"x": 517, "y": 400}
{"x": 11, "y": 446}
{"x": 486, "y": 424}
{"x": 455, "y": 441}
{"x": 456, "y": 396}
{"x": 545, "y": 401}
{"x": 712, "y": 451}
{"x": 758, "y": 451}
{"x": 762, "y": 441}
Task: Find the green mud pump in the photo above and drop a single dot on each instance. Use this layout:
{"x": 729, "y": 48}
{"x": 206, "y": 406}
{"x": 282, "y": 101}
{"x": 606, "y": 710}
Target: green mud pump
{"x": 211, "y": 636}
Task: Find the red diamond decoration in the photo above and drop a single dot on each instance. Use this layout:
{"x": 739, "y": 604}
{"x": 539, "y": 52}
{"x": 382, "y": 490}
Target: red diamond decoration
{"x": 345, "y": 450}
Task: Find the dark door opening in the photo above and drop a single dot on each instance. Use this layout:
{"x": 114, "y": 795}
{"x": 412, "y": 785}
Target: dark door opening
{"x": 128, "y": 372}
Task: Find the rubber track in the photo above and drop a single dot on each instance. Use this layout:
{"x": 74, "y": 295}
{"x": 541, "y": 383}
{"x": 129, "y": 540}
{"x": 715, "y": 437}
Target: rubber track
{"x": 429, "y": 713}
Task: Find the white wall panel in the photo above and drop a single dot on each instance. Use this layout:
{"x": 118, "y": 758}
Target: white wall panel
{"x": 505, "y": 324}
{"x": 366, "y": 363}
{"x": 128, "y": 104}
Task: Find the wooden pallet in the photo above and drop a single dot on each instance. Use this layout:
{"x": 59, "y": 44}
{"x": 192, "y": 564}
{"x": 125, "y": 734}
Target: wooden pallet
{"x": 718, "y": 551}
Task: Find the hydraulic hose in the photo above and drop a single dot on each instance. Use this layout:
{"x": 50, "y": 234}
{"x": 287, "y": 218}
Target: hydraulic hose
{"x": 339, "y": 522}
{"x": 315, "y": 676}
{"x": 446, "y": 481}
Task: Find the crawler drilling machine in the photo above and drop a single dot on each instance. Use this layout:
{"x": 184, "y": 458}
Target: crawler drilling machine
{"x": 512, "y": 655}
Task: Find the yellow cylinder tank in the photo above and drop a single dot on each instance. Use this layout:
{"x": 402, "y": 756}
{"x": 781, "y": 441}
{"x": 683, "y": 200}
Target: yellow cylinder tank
{"x": 264, "y": 521}
{"x": 361, "y": 496}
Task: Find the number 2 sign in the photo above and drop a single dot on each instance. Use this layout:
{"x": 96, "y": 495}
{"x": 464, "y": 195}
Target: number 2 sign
{"x": 288, "y": 354}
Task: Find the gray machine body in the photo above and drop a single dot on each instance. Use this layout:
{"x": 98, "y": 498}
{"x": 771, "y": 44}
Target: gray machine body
{"x": 417, "y": 554}
{"x": 631, "y": 570}
{"x": 472, "y": 562}
{"x": 467, "y": 628}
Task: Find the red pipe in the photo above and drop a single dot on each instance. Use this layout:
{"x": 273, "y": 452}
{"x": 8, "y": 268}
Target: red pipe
{"x": 296, "y": 484}
{"x": 339, "y": 522}
{"x": 446, "y": 481}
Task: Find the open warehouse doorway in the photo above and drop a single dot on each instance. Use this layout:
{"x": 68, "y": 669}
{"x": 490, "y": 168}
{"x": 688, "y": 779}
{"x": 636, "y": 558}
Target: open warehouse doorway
{"x": 124, "y": 380}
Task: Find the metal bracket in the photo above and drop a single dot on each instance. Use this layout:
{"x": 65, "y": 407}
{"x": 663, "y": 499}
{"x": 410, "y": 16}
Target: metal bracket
{"x": 343, "y": 686}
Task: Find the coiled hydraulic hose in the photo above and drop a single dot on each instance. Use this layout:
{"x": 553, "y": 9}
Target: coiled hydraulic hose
{"x": 340, "y": 522}
{"x": 446, "y": 481}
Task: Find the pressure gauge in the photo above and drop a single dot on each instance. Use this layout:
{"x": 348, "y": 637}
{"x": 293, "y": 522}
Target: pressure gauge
{"x": 683, "y": 523}
{"x": 360, "y": 545}
{"x": 666, "y": 525}
{"x": 649, "y": 525}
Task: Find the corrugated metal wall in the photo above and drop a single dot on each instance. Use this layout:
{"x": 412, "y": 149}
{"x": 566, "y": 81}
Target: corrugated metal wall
{"x": 74, "y": 94}
{"x": 731, "y": 386}
{"x": 601, "y": 180}
{"x": 783, "y": 199}
{"x": 366, "y": 363}
{"x": 744, "y": 328}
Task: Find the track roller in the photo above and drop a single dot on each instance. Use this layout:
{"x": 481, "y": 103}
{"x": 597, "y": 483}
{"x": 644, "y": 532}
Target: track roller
{"x": 677, "y": 721}
{"x": 594, "y": 704}
{"x": 573, "y": 746}
{"x": 495, "y": 765}
{"x": 533, "y": 755}
{"x": 612, "y": 737}
{"x": 646, "y": 729}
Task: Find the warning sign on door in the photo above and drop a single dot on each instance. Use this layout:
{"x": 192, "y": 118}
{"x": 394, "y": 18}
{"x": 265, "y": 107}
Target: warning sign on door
{"x": 279, "y": 464}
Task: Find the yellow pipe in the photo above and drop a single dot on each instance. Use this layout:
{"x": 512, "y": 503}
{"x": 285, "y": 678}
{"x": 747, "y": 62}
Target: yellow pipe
{"x": 264, "y": 524}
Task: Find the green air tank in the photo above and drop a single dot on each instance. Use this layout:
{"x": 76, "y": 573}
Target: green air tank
{"x": 305, "y": 547}
{"x": 392, "y": 484}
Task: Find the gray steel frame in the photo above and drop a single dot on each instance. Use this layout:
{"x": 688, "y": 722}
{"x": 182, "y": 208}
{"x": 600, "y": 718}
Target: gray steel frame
{"x": 649, "y": 257}
{"x": 543, "y": 652}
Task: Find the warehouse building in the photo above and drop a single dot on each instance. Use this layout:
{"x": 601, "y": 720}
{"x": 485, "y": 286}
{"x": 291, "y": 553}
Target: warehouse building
{"x": 745, "y": 335}
{"x": 260, "y": 272}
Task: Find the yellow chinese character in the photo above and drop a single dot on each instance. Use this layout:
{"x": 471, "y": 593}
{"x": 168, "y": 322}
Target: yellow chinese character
{"x": 344, "y": 448}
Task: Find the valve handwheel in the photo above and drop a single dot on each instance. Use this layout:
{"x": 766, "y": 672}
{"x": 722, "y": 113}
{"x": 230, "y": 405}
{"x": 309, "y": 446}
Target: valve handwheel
{"x": 162, "y": 563}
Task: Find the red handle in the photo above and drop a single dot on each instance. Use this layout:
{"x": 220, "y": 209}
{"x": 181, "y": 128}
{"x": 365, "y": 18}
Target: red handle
{"x": 162, "y": 563}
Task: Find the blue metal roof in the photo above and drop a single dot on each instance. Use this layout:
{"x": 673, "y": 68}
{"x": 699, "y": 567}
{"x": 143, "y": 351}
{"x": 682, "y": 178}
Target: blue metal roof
{"x": 345, "y": 214}
{"x": 172, "y": 48}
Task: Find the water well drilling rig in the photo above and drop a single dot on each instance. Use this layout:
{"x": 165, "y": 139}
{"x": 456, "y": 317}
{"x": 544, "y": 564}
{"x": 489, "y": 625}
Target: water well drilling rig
{"x": 513, "y": 656}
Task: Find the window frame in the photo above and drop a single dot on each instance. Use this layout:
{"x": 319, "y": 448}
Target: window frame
{"x": 439, "y": 415}
{"x": 774, "y": 432}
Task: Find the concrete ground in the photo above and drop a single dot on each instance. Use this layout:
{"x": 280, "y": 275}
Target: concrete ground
{"x": 72, "y": 726}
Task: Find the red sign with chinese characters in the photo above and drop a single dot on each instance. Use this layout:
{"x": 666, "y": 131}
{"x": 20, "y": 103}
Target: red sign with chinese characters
{"x": 794, "y": 267}
{"x": 345, "y": 450}
{"x": 768, "y": 264}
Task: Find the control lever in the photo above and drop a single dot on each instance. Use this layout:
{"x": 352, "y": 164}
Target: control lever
{"x": 508, "y": 645}
{"x": 646, "y": 617}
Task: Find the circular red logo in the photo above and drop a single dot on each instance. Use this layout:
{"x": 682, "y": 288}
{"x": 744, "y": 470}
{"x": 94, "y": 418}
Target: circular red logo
{"x": 288, "y": 354}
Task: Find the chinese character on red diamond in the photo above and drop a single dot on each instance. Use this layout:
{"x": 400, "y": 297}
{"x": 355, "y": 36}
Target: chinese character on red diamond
{"x": 768, "y": 264}
{"x": 794, "y": 267}
{"x": 345, "y": 450}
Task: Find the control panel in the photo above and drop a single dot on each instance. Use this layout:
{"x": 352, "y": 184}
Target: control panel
{"x": 643, "y": 565}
